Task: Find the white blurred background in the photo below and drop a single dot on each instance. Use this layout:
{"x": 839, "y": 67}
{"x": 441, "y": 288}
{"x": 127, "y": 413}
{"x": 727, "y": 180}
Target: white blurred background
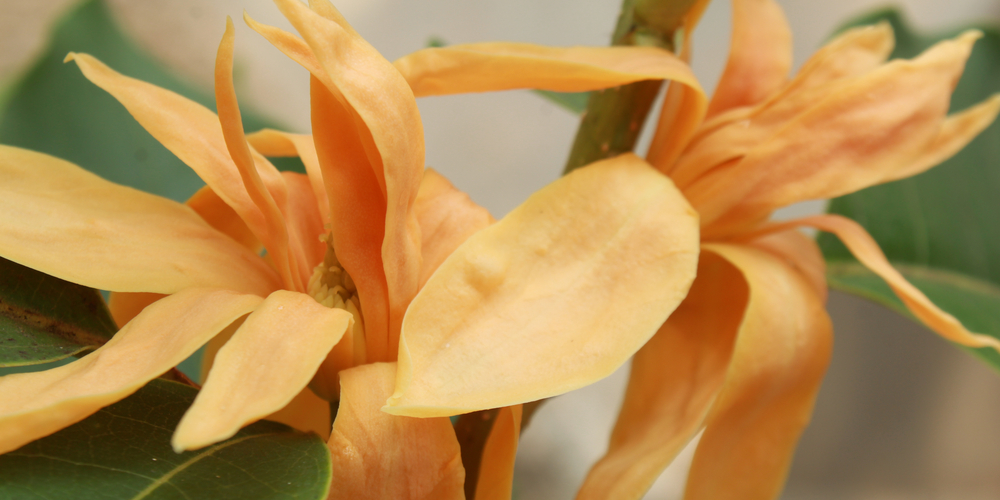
{"x": 901, "y": 414}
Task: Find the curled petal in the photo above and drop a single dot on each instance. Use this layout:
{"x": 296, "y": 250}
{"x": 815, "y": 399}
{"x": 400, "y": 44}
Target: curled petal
{"x": 67, "y": 222}
{"x": 675, "y": 379}
{"x": 866, "y": 250}
{"x": 378, "y": 456}
{"x": 447, "y": 218}
{"x": 496, "y": 470}
{"x": 494, "y": 66}
{"x": 760, "y": 56}
{"x": 510, "y": 316}
{"x": 265, "y": 364}
{"x": 780, "y": 356}
{"x": 384, "y": 113}
{"x": 164, "y": 334}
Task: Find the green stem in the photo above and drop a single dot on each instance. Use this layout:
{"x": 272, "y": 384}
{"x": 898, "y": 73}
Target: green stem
{"x": 614, "y": 117}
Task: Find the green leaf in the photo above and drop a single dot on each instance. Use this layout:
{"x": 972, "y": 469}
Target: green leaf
{"x": 44, "y": 319}
{"x": 123, "y": 452}
{"x": 55, "y": 110}
{"x": 941, "y": 223}
{"x": 575, "y": 102}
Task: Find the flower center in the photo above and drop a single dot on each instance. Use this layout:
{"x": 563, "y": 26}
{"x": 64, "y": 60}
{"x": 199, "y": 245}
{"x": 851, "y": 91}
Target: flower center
{"x": 332, "y": 287}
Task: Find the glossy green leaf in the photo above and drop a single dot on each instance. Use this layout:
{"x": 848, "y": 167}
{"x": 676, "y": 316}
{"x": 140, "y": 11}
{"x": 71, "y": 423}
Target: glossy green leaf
{"x": 942, "y": 223}
{"x": 55, "y": 110}
{"x": 123, "y": 452}
{"x": 45, "y": 319}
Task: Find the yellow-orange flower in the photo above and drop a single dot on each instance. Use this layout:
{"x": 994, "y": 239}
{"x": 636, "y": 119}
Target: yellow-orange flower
{"x": 505, "y": 314}
{"x": 744, "y": 354}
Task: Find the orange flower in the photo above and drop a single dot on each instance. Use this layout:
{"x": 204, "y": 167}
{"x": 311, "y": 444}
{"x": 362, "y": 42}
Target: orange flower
{"x": 744, "y": 354}
{"x": 506, "y": 317}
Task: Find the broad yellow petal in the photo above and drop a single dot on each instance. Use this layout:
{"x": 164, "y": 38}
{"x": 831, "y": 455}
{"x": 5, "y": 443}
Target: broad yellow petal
{"x": 67, "y": 222}
{"x": 383, "y": 102}
{"x": 273, "y": 232}
{"x": 496, "y": 468}
{"x": 867, "y": 251}
{"x": 379, "y": 456}
{"x": 493, "y": 66}
{"x": 164, "y": 334}
{"x": 675, "y": 379}
{"x": 781, "y": 354}
{"x": 194, "y": 134}
{"x": 760, "y": 56}
{"x": 265, "y": 364}
{"x": 555, "y": 296}
{"x": 306, "y": 412}
{"x": 276, "y": 143}
{"x": 447, "y": 218}
{"x": 901, "y": 107}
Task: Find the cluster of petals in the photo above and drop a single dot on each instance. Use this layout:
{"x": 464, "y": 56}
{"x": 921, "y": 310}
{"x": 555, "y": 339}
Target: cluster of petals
{"x": 458, "y": 312}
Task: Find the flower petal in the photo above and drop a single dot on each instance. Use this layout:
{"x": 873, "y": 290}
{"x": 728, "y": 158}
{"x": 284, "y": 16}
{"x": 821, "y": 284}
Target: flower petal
{"x": 760, "y": 56}
{"x": 306, "y": 412}
{"x": 305, "y": 224}
{"x": 496, "y": 470}
{"x": 378, "y": 456}
{"x": 273, "y": 231}
{"x": 675, "y": 379}
{"x": 494, "y": 66}
{"x": 214, "y": 210}
{"x": 276, "y": 143}
{"x": 447, "y": 218}
{"x": 781, "y": 354}
{"x": 40, "y": 403}
{"x": 799, "y": 252}
{"x": 125, "y": 306}
{"x": 265, "y": 364}
{"x": 820, "y": 154}
{"x": 866, "y": 250}
{"x": 510, "y": 316}
{"x": 67, "y": 222}
{"x": 191, "y": 132}
{"x": 732, "y": 134}
{"x": 383, "y": 109}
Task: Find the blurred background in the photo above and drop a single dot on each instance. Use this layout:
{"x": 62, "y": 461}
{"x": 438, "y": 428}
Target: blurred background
{"x": 902, "y": 414}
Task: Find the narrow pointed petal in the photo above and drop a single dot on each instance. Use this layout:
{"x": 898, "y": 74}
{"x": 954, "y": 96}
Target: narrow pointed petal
{"x": 37, "y": 404}
{"x": 191, "y": 132}
{"x": 955, "y": 133}
{"x": 496, "y": 470}
{"x": 67, "y": 222}
{"x": 306, "y": 412}
{"x": 510, "y": 316}
{"x": 867, "y": 251}
{"x": 385, "y": 113}
{"x": 267, "y": 362}
{"x": 732, "y": 134}
{"x": 290, "y": 45}
{"x": 447, "y": 218}
{"x": 799, "y": 252}
{"x": 781, "y": 354}
{"x": 274, "y": 233}
{"x": 675, "y": 379}
{"x": 494, "y": 66}
{"x": 379, "y": 456}
{"x": 760, "y": 56}
{"x": 276, "y": 143}
{"x": 901, "y": 106}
